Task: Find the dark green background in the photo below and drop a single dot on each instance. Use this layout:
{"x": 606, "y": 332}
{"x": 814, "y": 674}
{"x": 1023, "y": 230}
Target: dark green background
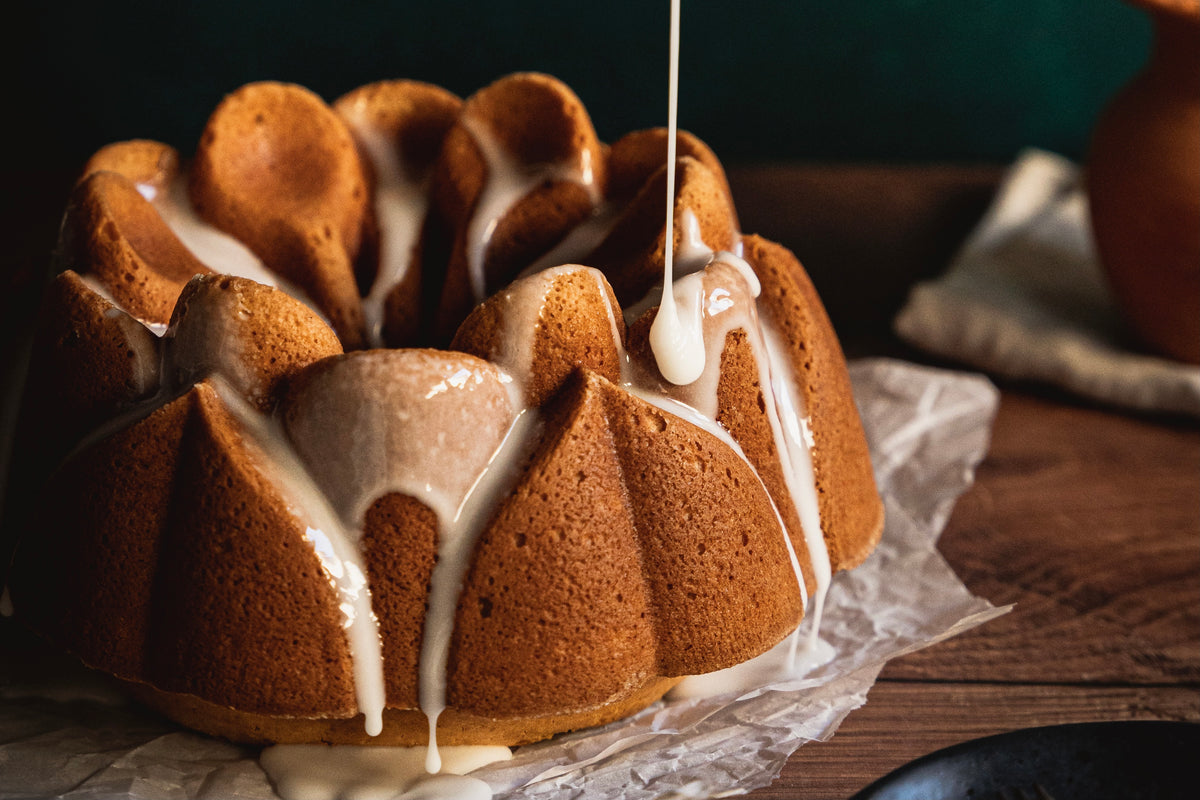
{"x": 889, "y": 80}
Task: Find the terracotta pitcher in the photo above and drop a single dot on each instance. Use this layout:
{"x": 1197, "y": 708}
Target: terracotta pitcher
{"x": 1143, "y": 175}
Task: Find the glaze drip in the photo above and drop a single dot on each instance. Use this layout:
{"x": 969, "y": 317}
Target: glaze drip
{"x": 337, "y": 546}
{"x": 216, "y": 249}
{"x": 456, "y": 542}
{"x": 202, "y": 350}
{"x": 684, "y": 352}
{"x": 507, "y": 182}
{"x": 675, "y": 334}
{"x": 725, "y": 292}
{"x": 401, "y": 202}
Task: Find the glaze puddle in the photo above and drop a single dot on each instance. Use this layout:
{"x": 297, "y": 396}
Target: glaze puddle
{"x": 325, "y": 772}
{"x": 780, "y": 663}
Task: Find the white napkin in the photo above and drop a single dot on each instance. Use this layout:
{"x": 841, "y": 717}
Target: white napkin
{"x": 1025, "y": 298}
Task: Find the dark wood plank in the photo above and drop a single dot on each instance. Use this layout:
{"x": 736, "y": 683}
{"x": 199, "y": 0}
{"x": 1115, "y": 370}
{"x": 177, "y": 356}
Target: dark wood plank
{"x": 1089, "y": 522}
{"x": 902, "y": 721}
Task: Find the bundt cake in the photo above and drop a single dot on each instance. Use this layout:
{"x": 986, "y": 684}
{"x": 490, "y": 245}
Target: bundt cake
{"x": 330, "y": 435}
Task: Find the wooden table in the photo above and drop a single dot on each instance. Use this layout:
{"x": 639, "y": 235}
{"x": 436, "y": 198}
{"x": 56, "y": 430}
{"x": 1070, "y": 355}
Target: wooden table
{"x": 1087, "y": 520}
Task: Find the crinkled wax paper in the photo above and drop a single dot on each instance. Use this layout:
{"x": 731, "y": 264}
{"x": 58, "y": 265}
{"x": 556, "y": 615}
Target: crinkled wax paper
{"x": 67, "y": 734}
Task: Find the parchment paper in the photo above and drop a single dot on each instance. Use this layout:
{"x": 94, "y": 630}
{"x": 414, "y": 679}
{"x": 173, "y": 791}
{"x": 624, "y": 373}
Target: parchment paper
{"x": 66, "y": 733}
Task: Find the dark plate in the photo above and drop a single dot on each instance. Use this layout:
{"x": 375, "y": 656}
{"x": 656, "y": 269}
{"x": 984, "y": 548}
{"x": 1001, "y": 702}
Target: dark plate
{"x": 1092, "y": 761}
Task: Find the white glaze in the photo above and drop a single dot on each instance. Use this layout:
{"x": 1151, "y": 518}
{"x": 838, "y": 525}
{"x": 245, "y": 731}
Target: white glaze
{"x": 321, "y": 772}
{"x": 675, "y": 335}
{"x": 730, "y": 291}
{"x": 446, "y": 429}
{"x": 214, "y": 248}
{"x": 208, "y": 351}
{"x": 456, "y": 544}
{"x": 615, "y": 329}
{"x": 98, "y": 286}
{"x": 144, "y": 363}
{"x": 521, "y": 304}
{"x": 507, "y": 181}
{"x": 401, "y": 203}
{"x": 791, "y": 426}
{"x": 725, "y": 290}
{"x": 580, "y": 242}
{"x": 723, "y": 295}
{"x": 217, "y": 250}
{"x": 420, "y": 423}
{"x": 780, "y": 663}
{"x": 336, "y": 545}
{"x": 422, "y": 434}
{"x": 693, "y": 255}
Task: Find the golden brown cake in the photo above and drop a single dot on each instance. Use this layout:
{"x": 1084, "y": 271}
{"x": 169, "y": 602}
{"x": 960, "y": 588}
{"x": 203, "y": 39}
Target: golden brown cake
{"x": 353, "y": 420}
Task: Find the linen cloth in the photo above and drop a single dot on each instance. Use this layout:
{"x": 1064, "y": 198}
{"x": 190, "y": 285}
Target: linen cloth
{"x": 1026, "y": 298}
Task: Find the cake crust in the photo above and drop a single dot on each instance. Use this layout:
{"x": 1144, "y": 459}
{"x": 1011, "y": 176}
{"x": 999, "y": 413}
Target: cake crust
{"x": 239, "y": 492}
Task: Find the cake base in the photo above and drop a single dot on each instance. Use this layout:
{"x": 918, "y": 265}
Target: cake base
{"x": 401, "y": 727}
